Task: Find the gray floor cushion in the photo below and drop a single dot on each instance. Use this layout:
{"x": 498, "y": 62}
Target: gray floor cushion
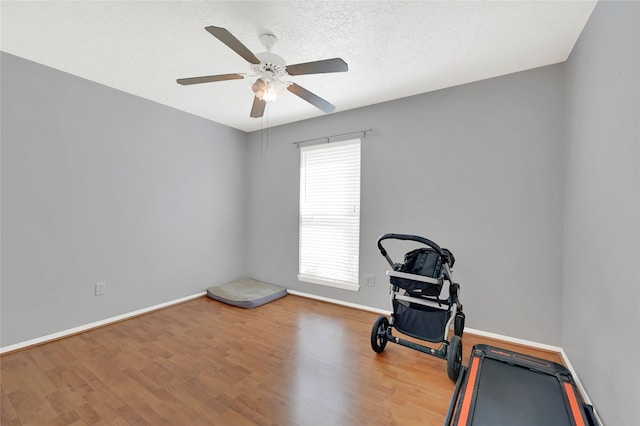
{"x": 246, "y": 293}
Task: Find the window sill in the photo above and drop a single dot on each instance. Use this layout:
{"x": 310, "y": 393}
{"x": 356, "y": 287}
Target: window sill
{"x": 329, "y": 283}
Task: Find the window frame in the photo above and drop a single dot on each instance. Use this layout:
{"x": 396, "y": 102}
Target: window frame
{"x": 324, "y": 280}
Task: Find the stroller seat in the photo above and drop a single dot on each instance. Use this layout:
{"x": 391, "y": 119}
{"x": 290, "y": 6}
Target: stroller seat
{"x": 422, "y": 273}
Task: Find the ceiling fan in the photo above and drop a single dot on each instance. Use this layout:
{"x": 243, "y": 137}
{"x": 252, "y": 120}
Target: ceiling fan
{"x": 270, "y": 70}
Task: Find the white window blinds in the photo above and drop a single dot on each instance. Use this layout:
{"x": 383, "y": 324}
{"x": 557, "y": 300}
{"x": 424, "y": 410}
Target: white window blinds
{"x": 330, "y": 214}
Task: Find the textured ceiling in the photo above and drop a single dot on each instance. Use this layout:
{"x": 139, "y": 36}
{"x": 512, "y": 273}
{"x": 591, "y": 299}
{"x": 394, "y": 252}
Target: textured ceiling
{"x": 394, "y": 48}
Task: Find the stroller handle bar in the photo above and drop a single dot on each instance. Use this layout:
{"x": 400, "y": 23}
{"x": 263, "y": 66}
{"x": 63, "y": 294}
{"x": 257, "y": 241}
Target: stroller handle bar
{"x": 415, "y": 238}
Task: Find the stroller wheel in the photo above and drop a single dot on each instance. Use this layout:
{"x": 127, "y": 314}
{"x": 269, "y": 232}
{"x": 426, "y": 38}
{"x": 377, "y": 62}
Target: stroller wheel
{"x": 454, "y": 358}
{"x": 458, "y": 325}
{"x": 379, "y": 334}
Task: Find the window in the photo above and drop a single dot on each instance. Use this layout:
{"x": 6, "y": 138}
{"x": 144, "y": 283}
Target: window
{"x": 330, "y": 214}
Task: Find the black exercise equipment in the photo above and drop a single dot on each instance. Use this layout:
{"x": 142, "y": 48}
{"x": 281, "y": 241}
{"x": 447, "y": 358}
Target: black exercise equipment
{"x": 502, "y": 387}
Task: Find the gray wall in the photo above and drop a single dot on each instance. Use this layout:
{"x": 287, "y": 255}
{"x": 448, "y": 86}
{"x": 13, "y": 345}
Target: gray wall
{"x": 600, "y": 319}
{"x": 518, "y": 175}
{"x": 99, "y": 185}
{"x": 477, "y": 168}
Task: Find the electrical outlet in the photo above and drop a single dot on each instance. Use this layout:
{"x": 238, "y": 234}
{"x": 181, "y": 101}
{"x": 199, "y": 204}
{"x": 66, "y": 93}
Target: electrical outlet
{"x": 101, "y": 288}
{"x": 369, "y": 280}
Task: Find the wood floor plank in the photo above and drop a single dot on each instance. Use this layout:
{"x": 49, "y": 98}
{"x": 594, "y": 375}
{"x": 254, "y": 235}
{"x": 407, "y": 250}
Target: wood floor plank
{"x": 7, "y": 412}
{"x": 294, "y": 361}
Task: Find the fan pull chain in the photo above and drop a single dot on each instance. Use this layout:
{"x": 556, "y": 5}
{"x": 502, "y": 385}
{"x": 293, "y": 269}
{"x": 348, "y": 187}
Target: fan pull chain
{"x": 262, "y": 130}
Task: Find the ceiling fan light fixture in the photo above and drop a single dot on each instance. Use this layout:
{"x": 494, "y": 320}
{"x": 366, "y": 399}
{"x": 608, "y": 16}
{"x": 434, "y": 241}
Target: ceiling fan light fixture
{"x": 258, "y": 87}
{"x": 267, "y": 89}
{"x": 270, "y": 95}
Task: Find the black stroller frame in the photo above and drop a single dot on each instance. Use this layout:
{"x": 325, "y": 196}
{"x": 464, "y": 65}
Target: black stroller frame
{"x": 418, "y": 310}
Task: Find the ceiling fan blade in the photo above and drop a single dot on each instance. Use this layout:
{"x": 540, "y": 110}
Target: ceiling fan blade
{"x": 312, "y": 98}
{"x": 257, "y": 110}
{"x": 233, "y": 43}
{"x": 318, "y": 67}
{"x": 209, "y": 79}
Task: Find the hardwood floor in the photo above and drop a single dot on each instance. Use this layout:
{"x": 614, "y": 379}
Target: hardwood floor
{"x": 295, "y": 361}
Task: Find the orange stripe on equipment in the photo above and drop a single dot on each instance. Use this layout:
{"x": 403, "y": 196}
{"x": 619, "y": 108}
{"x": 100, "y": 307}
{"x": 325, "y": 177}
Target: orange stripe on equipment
{"x": 573, "y": 403}
{"x": 468, "y": 394}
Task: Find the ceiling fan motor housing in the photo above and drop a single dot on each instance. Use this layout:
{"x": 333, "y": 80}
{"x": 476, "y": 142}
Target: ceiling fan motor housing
{"x": 270, "y": 62}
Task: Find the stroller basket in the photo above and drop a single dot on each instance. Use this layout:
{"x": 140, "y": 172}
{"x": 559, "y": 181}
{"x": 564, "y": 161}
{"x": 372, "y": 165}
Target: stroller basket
{"x": 419, "y": 321}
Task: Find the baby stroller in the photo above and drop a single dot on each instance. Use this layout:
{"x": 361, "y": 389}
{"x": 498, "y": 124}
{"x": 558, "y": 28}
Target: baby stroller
{"x": 418, "y": 310}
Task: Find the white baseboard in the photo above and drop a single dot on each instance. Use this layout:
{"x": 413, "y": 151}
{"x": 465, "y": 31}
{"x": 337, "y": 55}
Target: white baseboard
{"x": 339, "y": 302}
{"x": 466, "y": 329}
{"x": 494, "y": 336}
{"x": 565, "y": 358}
{"x": 86, "y": 327}
{"x": 514, "y": 340}
{"x": 581, "y": 388}
{"x": 111, "y": 320}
